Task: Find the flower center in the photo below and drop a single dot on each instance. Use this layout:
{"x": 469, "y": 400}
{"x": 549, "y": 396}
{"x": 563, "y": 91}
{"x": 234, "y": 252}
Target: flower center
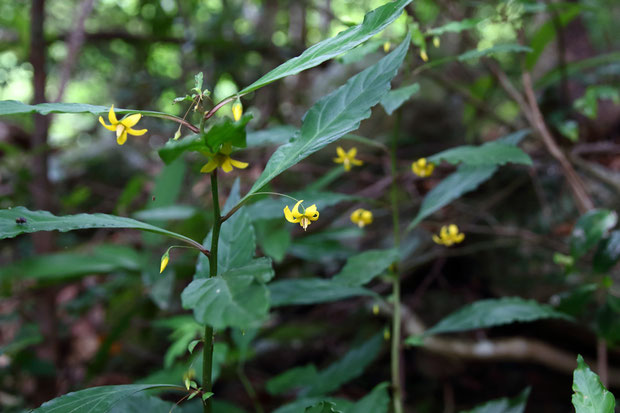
{"x": 304, "y": 222}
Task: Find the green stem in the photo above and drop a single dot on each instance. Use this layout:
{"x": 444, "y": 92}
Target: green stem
{"x": 207, "y": 352}
{"x": 395, "y": 350}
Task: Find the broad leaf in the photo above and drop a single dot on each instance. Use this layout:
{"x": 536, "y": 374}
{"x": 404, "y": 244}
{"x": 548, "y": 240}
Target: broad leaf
{"x": 492, "y": 153}
{"x": 96, "y": 399}
{"x": 362, "y": 268}
{"x": 590, "y": 229}
{"x": 347, "y": 368}
{"x": 323, "y": 407}
{"x": 335, "y": 115}
{"x": 62, "y": 266}
{"x": 361, "y": 51}
{"x": 395, "y": 98}
{"x": 311, "y": 291}
{"x": 590, "y": 396}
{"x": 278, "y": 135}
{"x": 465, "y": 179}
{"x": 237, "y": 298}
{"x": 373, "y": 23}
{"x": 237, "y": 242}
{"x": 166, "y": 213}
{"x": 608, "y": 253}
{"x": 377, "y": 401}
{"x": 173, "y": 149}
{"x": 273, "y": 237}
{"x": 504, "y": 405}
{"x": 228, "y": 131}
{"x": 11, "y": 223}
{"x": 495, "y": 312}
{"x": 13, "y": 107}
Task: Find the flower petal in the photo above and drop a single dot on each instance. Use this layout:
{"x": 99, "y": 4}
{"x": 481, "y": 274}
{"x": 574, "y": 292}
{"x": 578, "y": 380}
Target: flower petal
{"x": 289, "y": 216}
{"x": 112, "y": 116}
{"x": 341, "y": 153}
{"x": 209, "y": 166}
{"x": 437, "y": 240}
{"x": 108, "y": 127}
{"x": 238, "y": 164}
{"x": 338, "y": 160}
{"x": 122, "y": 138}
{"x": 137, "y": 132}
{"x": 453, "y": 229}
{"x": 295, "y": 212}
{"x": 226, "y": 165}
{"x": 131, "y": 120}
{"x": 357, "y": 162}
{"x": 352, "y": 152}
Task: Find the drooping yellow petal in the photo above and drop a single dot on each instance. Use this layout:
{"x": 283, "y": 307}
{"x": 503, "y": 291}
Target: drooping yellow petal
{"x": 295, "y": 212}
{"x": 423, "y": 55}
{"x": 347, "y": 165}
{"x": 112, "y": 116}
{"x": 237, "y": 110}
{"x": 131, "y": 120}
{"x": 437, "y": 240}
{"x": 164, "y": 262}
{"x": 312, "y": 213}
{"x": 357, "y": 162}
{"x": 137, "y": 132}
{"x": 453, "y": 229}
{"x": 352, "y": 152}
{"x": 122, "y": 138}
{"x": 338, "y": 160}
{"x": 341, "y": 153}
{"x": 459, "y": 238}
{"x": 108, "y": 127}
{"x": 226, "y": 165}
{"x": 289, "y": 216}
{"x": 238, "y": 164}
{"x": 209, "y": 166}
{"x": 444, "y": 233}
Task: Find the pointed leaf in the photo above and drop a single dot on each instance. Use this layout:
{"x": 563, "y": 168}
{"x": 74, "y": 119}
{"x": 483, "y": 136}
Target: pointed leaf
{"x": 492, "y": 153}
{"x": 13, "y": 107}
{"x": 377, "y": 401}
{"x": 228, "y": 131}
{"x": 495, "y": 312}
{"x": 311, "y": 291}
{"x": 11, "y": 223}
{"x": 465, "y": 179}
{"x": 395, "y": 98}
{"x": 291, "y": 379}
{"x": 96, "y": 399}
{"x": 607, "y": 254}
{"x": 335, "y": 115}
{"x": 237, "y": 298}
{"x": 590, "y": 396}
{"x": 373, "y": 23}
{"x": 362, "y": 268}
{"x": 323, "y": 407}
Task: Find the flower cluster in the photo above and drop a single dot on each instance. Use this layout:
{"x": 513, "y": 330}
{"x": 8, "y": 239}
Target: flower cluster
{"x": 304, "y": 218}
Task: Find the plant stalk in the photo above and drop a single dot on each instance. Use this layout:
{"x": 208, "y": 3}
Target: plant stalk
{"x": 396, "y": 320}
{"x": 207, "y": 352}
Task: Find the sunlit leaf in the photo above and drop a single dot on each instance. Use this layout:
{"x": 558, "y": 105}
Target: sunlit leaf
{"x": 492, "y": 153}
{"x": 590, "y": 229}
{"x": 396, "y": 97}
{"x": 373, "y": 23}
{"x": 590, "y": 396}
{"x": 335, "y": 115}
{"x": 608, "y": 253}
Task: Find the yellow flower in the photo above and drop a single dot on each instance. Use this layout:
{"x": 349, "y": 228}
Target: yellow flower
{"x": 305, "y": 218}
{"x": 436, "y": 41}
{"x": 347, "y": 158}
{"x": 123, "y": 127}
{"x": 448, "y": 235}
{"x": 386, "y": 46}
{"x": 361, "y": 217}
{"x": 164, "y": 262}
{"x": 375, "y": 309}
{"x": 237, "y": 110}
{"x": 423, "y": 55}
{"x": 422, "y": 168}
{"x": 222, "y": 159}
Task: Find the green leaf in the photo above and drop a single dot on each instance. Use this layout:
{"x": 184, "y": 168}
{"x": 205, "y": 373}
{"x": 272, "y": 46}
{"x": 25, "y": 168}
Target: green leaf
{"x": 454, "y": 27}
{"x": 198, "y": 79}
{"x": 278, "y": 135}
{"x": 228, "y": 131}
{"x": 494, "y": 312}
{"x": 607, "y": 254}
{"x": 590, "y": 396}
{"x": 13, "y": 107}
{"x": 347, "y": 368}
{"x": 237, "y": 298}
{"x": 311, "y": 291}
{"x": 62, "y": 266}
{"x": 173, "y": 149}
{"x": 192, "y": 345}
{"x": 299, "y": 405}
{"x": 491, "y": 153}
{"x": 588, "y": 103}
{"x": 335, "y": 115}
{"x": 167, "y": 213}
{"x": 575, "y": 301}
{"x": 465, "y": 179}
{"x": 292, "y": 379}
{"x": 502, "y": 48}
{"x": 46, "y": 221}
{"x": 273, "y": 237}
{"x": 575, "y": 68}
{"x": 323, "y": 407}
{"x": 373, "y": 23}
{"x": 361, "y": 51}
{"x": 362, "y": 268}
{"x": 504, "y": 405}
{"x": 237, "y": 242}
{"x": 377, "y": 401}
{"x": 395, "y": 98}
{"x": 96, "y": 399}
{"x": 590, "y": 228}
